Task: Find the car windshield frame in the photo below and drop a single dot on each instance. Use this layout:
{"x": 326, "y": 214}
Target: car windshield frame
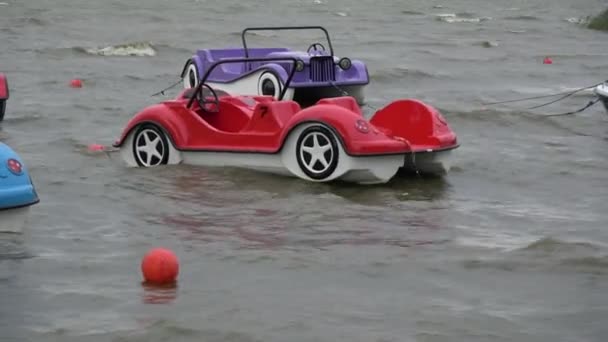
{"x": 284, "y": 28}
{"x": 244, "y": 60}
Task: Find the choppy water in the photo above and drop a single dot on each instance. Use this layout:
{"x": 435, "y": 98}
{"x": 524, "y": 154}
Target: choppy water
{"x": 511, "y": 246}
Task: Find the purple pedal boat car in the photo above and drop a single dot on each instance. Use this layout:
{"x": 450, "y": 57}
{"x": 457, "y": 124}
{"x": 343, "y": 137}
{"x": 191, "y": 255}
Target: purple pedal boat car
{"x": 319, "y": 73}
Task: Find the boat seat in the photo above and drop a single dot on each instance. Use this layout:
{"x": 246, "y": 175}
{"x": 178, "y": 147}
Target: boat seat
{"x": 271, "y": 116}
{"x": 347, "y": 102}
{"x": 232, "y": 117}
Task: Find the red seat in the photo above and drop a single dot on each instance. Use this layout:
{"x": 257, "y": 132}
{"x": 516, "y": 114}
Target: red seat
{"x": 233, "y": 115}
{"x": 272, "y": 116}
{"x": 347, "y": 102}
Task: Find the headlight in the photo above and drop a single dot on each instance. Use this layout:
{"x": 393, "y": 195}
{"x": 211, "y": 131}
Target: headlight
{"x": 345, "y": 63}
{"x": 362, "y": 126}
{"x": 299, "y": 65}
{"x": 14, "y": 166}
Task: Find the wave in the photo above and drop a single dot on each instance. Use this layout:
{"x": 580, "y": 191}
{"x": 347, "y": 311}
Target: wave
{"x": 601, "y": 67}
{"x": 178, "y": 49}
{"x": 168, "y": 330}
{"x": 13, "y": 247}
{"x": 466, "y": 14}
{"x": 522, "y": 17}
{"x": 265, "y": 34}
{"x": 401, "y": 72}
{"x": 139, "y": 49}
{"x": 549, "y": 245}
{"x": 14, "y": 255}
{"x": 486, "y": 44}
{"x": 575, "y": 55}
{"x": 136, "y": 49}
{"x": 550, "y": 254}
{"x": 460, "y": 18}
{"x": 22, "y": 118}
{"x": 410, "y": 12}
{"x": 31, "y": 21}
{"x": 8, "y": 30}
{"x": 577, "y": 20}
{"x": 515, "y": 116}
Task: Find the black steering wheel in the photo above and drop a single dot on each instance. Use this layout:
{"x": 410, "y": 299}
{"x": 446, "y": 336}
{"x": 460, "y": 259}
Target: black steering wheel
{"x": 209, "y": 106}
{"x": 314, "y": 46}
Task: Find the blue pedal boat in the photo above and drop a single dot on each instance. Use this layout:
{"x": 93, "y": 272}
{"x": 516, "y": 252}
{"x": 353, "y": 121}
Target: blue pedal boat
{"x": 17, "y": 192}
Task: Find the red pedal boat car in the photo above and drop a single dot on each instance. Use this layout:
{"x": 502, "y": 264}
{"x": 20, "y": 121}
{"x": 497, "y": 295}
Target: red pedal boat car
{"x": 328, "y": 141}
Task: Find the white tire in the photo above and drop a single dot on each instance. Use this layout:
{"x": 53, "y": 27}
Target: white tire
{"x": 191, "y": 76}
{"x": 150, "y": 146}
{"x": 269, "y": 84}
{"x": 317, "y": 152}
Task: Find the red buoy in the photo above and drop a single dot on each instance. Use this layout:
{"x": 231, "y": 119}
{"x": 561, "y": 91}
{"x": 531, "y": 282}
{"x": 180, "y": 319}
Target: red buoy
{"x": 160, "y": 266}
{"x": 76, "y": 83}
{"x": 547, "y": 60}
{"x": 96, "y": 147}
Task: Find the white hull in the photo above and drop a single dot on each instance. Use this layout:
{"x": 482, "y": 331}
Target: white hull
{"x": 14, "y": 220}
{"x": 361, "y": 170}
{"x": 602, "y": 92}
{"x": 433, "y": 162}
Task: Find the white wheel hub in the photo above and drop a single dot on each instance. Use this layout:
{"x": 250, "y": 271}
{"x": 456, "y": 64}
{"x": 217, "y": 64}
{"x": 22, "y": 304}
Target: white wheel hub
{"x": 316, "y": 152}
{"x": 149, "y": 148}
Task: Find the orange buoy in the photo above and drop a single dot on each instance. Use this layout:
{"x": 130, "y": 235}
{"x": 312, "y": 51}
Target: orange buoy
{"x": 160, "y": 266}
{"x": 76, "y": 83}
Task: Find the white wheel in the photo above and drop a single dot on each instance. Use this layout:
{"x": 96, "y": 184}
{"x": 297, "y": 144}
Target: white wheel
{"x": 317, "y": 152}
{"x": 191, "y": 76}
{"x": 269, "y": 85}
{"x": 150, "y": 146}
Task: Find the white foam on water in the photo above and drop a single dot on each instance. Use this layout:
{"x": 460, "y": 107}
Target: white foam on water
{"x": 482, "y": 237}
{"x": 575, "y": 20}
{"x": 453, "y": 18}
{"x": 139, "y": 49}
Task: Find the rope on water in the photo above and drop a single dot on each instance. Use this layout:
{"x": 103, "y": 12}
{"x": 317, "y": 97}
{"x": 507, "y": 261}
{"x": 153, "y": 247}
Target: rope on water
{"x": 566, "y": 93}
{"x": 561, "y": 98}
{"x": 591, "y": 103}
{"x": 170, "y": 87}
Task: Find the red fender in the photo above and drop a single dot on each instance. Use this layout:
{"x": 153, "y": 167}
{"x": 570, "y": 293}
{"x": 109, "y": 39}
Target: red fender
{"x": 422, "y": 125}
{"x": 344, "y": 122}
{"x": 3, "y": 87}
{"x": 176, "y": 128}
